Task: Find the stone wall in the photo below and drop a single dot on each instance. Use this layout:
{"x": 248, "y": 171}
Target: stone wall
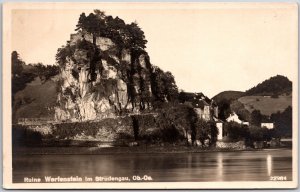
{"x": 118, "y": 131}
{"x": 230, "y": 145}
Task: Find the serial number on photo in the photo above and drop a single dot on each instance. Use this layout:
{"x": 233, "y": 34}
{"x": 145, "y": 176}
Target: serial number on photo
{"x": 278, "y": 178}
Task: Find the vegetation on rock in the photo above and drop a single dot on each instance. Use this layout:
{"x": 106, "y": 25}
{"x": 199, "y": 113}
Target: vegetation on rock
{"x": 146, "y": 84}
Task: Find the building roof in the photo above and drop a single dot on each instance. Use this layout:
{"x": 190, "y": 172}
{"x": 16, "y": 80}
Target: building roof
{"x": 196, "y": 100}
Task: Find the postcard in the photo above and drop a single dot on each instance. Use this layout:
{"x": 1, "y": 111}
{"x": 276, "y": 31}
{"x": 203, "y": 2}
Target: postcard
{"x": 150, "y": 95}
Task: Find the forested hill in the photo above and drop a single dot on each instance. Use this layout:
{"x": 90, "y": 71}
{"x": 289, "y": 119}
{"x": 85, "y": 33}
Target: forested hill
{"x": 228, "y": 95}
{"x": 276, "y": 85}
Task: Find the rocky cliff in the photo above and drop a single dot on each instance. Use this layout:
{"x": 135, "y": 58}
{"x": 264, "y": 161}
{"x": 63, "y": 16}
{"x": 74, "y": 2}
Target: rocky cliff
{"x": 99, "y": 89}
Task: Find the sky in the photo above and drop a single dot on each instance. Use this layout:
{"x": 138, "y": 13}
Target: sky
{"x": 208, "y": 48}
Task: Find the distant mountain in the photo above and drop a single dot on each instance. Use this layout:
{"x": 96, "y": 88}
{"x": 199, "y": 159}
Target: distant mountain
{"x": 270, "y": 96}
{"x": 274, "y": 86}
{"x": 228, "y": 95}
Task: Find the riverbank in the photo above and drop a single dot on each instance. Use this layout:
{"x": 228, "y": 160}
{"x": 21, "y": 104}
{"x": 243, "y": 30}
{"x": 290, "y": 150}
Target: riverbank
{"x": 119, "y": 150}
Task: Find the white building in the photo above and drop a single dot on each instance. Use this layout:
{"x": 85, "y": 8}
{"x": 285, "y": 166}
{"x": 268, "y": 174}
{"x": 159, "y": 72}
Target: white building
{"x": 267, "y": 125}
{"x": 233, "y": 117}
{"x": 219, "y": 125}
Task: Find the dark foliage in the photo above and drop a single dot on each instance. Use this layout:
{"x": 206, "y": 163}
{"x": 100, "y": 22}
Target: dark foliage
{"x": 45, "y": 72}
{"x": 19, "y": 82}
{"x": 183, "y": 118}
{"x": 256, "y": 118}
{"x": 236, "y": 131}
{"x": 170, "y": 134}
{"x": 16, "y": 64}
{"x": 240, "y": 109}
{"x": 163, "y": 86}
{"x": 224, "y": 109}
{"x": 206, "y": 131}
{"x": 284, "y": 122}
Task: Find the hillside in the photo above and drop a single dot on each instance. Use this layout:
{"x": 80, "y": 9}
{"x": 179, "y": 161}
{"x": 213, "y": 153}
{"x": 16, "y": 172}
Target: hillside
{"x": 266, "y": 105}
{"x": 36, "y": 100}
{"x": 227, "y": 95}
{"x": 269, "y": 96}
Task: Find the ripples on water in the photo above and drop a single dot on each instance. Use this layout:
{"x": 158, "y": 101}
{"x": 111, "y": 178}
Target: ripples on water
{"x": 208, "y": 166}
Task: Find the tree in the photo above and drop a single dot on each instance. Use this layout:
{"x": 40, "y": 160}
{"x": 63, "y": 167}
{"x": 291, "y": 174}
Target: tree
{"x": 181, "y": 117}
{"x": 224, "y": 109}
{"x": 256, "y": 117}
{"x": 206, "y": 131}
{"x": 94, "y": 23}
{"x": 163, "y": 86}
{"x": 202, "y": 131}
{"x": 213, "y": 132}
{"x": 283, "y": 122}
{"x": 136, "y": 40}
{"x": 268, "y": 134}
{"x": 256, "y": 133}
{"x": 63, "y": 53}
{"x": 236, "y": 132}
{"x": 16, "y": 63}
{"x": 170, "y": 87}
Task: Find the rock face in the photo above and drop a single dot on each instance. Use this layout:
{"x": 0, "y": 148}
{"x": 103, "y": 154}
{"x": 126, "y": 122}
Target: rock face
{"x": 96, "y": 79}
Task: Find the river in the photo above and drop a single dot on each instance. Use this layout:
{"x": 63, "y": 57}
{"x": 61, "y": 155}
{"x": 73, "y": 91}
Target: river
{"x": 169, "y": 167}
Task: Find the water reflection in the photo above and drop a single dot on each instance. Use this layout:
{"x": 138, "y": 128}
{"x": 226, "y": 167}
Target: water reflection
{"x": 210, "y": 166}
{"x": 269, "y": 164}
{"x": 220, "y": 165}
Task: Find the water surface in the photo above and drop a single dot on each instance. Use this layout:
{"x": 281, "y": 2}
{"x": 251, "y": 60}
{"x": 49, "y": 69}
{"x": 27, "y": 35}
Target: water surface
{"x": 188, "y": 167}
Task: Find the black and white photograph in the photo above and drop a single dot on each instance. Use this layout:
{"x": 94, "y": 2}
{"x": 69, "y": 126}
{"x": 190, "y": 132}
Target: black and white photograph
{"x": 150, "y": 95}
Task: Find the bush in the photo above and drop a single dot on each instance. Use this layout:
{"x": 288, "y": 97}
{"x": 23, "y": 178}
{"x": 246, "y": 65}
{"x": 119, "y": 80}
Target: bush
{"x": 236, "y": 132}
{"x": 170, "y": 135}
{"x": 256, "y": 133}
{"x": 182, "y": 117}
{"x": 206, "y": 130}
{"x": 261, "y": 134}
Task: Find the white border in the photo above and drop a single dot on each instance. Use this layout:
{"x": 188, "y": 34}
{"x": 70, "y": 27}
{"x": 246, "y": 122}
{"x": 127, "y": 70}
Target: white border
{"x": 7, "y": 148}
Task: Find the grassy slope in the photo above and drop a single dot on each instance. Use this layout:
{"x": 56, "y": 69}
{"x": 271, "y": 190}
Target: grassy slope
{"x": 266, "y": 105}
{"x": 35, "y": 99}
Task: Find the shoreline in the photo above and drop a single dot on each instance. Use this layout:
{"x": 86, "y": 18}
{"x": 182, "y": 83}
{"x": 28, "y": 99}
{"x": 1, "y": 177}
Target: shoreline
{"x": 125, "y": 150}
